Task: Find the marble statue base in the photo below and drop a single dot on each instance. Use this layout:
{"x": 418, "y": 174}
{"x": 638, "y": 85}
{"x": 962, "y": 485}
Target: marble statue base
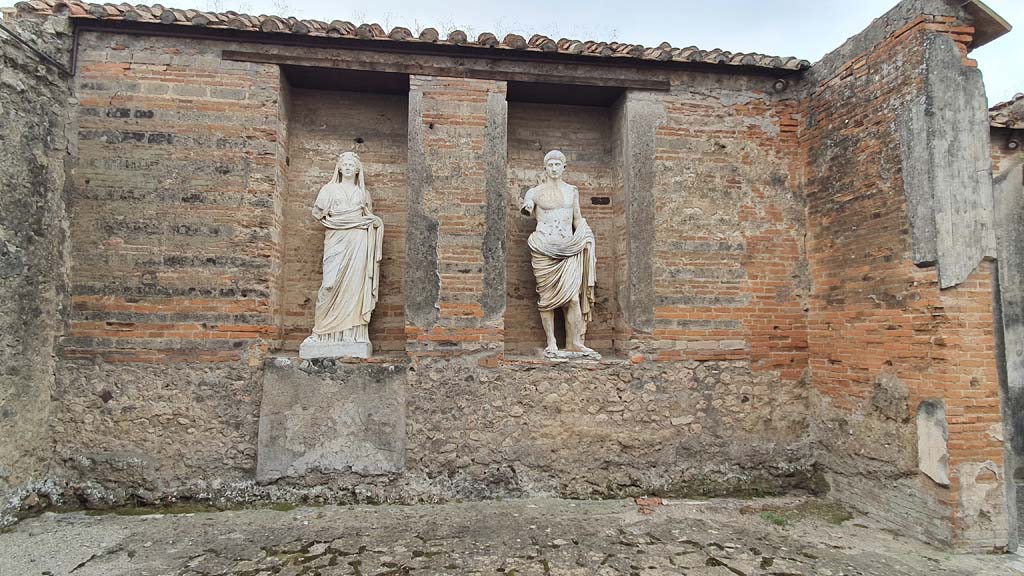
{"x": 569, "y": 355}
{"x": 311, "y": 348}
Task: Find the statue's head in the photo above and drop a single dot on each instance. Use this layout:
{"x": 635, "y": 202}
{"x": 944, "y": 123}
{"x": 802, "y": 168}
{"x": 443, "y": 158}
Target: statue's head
{"x": 349, "y": 164}
{"x": 554, "y": 164}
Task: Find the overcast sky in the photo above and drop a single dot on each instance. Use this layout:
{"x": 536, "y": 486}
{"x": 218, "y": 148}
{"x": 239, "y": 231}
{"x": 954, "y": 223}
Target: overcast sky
{"x": 804, "y": 28}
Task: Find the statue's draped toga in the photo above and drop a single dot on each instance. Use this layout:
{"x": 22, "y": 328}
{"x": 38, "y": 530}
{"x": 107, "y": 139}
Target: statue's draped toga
{"x": 563, "y": 267}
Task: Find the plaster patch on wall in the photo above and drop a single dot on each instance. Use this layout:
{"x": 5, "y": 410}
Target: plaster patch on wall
{"x": 947, "y": 175}
{"x": 982, "y": 510}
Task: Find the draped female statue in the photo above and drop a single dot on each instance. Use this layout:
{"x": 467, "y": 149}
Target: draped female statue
{"x": 351, "y": 265}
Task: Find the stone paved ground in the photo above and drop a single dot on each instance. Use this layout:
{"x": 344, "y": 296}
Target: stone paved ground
{"x": 781, "y": 536}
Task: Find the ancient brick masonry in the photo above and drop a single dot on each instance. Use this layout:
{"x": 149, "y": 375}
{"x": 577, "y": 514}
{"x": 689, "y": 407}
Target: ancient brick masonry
{"x": 879, "y": 327}
{"x": 451, "y": 141}
{"x": 176, "y": 248}
{"x": 767, "y": 320}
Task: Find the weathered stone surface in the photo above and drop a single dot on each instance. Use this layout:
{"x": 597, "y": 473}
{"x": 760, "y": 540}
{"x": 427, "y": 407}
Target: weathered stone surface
{"x": 640, "y": 115}
{"x": 345, "y": 419}
{"x": 947, "y": 165}
{"x": 784, "y": 330}
{"x": 313, "y": 349}
{"x": 37, "y": 138}
{"x": 932, "y": 434}
{"x": 1008, "y": 189}
{"x": 153, "y": 428}
{"x": 422, "y": 276}
{"x": 894, "y": 133}
{"x": 539, "y": 536}
{"x": 982, "y": 511}
{"x": 599, "y": 429}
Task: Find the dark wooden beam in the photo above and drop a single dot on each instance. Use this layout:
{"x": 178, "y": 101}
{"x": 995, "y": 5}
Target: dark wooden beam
{"x": 644, "y": 83}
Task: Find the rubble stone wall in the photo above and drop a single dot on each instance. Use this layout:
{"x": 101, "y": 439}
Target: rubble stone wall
{"x": 37, "y": 141}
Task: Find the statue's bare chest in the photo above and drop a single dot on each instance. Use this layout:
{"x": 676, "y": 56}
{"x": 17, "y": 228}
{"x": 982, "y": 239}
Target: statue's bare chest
{"x": 552, "y": 198}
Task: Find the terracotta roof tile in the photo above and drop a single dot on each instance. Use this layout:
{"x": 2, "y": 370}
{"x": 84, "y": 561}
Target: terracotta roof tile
{"x": 337, "y": 28}
{"x": 1009, "y": 114}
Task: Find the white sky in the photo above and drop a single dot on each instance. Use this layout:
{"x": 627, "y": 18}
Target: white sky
{"x": 804, "y": 28}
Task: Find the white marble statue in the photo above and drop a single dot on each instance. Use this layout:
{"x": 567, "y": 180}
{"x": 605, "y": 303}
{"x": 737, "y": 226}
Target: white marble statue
{"x": 563, "y": 258}
{"x": 352, "y": 252}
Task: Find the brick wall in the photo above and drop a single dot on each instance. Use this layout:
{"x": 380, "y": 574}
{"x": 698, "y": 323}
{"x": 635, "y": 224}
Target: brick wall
{"x": 451, "y": 143}
{"x": 879, "y": 327}
{"x": 728, "y": 263}
{"x": 1002, "y": 156}
{"x": 174, "y": 234}
{"x": 322, "y": 124}
{"x": 175, "y": 218}
{"x": 773, "y": 237}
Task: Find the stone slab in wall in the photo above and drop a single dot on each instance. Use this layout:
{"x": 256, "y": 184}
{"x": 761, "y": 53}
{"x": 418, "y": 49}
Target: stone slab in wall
{"x": 346, "y": 418}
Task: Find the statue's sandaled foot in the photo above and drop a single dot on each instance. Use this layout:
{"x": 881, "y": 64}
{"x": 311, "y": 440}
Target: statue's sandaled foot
{"x": 551, "y": 351}
{"x": 573, "y": 352}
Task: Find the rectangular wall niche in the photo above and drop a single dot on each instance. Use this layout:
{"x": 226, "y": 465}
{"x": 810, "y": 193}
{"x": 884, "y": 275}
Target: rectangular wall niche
{"x": 330, "y": 112}
{"x": 580, "y": 122}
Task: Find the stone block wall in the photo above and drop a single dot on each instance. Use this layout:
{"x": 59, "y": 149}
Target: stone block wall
{"x": 883, "y": 336}
{"x": 38, "y": 141}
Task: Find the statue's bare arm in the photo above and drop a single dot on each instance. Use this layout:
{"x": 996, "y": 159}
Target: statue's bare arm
{"x": 528, "y": 203}
{"x": 577, "y": 216}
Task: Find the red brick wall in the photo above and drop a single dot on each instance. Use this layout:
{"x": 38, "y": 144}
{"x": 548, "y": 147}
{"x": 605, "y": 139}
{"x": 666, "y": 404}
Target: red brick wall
{"x": 174, "y": 242}
{"x": 584, "y": 135}
{"x": 874, "y": 315}
{"x": 728, "y": 262}
{"x": 453, "y": 123}
{"x": 322, "y": 124}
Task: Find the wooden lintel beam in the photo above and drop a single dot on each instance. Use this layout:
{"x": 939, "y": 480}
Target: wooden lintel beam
{"x": 449, "y": 71}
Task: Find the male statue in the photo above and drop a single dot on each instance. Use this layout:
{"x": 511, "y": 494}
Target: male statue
{"x": 562, "y": 254}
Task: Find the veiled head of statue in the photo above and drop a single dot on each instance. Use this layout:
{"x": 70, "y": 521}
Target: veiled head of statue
{"x": 349, "y": 167}
{"x": 349, "y": 164}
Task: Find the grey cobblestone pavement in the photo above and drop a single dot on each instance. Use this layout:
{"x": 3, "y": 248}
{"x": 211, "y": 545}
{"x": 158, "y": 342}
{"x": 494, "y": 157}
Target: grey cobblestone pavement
{"x": 777, "y": 536}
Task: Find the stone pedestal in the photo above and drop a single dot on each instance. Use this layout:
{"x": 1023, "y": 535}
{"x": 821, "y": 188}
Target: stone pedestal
{"x": 310, "y": 349}
{"x": 346, "y": 419}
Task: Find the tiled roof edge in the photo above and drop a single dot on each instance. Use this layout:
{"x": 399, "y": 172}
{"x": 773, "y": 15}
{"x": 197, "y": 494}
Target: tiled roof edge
{"x": 158, "y": 14}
